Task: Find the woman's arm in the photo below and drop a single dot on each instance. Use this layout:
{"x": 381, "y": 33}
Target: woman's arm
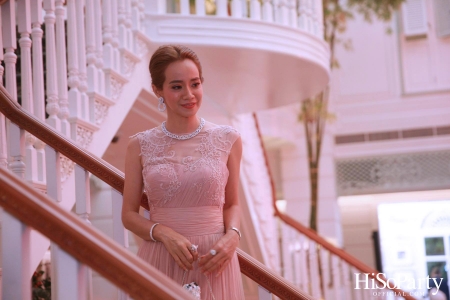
{"x": 176, "y": 244}
{"x": 227, "y": 245}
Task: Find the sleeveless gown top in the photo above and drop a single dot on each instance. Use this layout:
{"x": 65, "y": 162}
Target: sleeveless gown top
{"x": 185, "y": 184}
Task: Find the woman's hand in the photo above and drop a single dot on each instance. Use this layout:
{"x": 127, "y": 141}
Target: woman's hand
{"x": 177, "y": 245}
{"x": 225, "y": 249}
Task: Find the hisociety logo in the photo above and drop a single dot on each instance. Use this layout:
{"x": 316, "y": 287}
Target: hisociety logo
{"x": 399, "y": 287}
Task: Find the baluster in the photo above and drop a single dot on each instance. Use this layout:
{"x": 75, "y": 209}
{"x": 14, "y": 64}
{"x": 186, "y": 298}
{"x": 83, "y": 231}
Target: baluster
{"x": 358, "y": 293}
{"x": 51, "y": 75}
{"x": 221, "y": 8}
{"x": 15, "y": 234}
{"x": 184, "y": 7}
{"x": 99, "y": 46}
{"x": 267, "y": 11}
{"x": 135, "y": 15}
{"x": 82, "y": 74}
{"x": 91, "y": 52}
{"x": 346, "y": 279}
{"x": 284, "y": 12}
{"x": 142, "y": 15}
{"x": 302, "y": 21}
{"x": 325, "y": 264}
{"x": 108, "y": 48}
{"x": 83, "y": 210}
{"x": 38, "y": 81}
{"x": 303, "y": 265}
{"x": 318, "y": 18}
{"x": 292, "y": 13}
{"x": 200, "y": 8}
{"x": 66, "y": 283}
{"x": 287, "y": 252}
{"x": 15, "y": 248}
{"x": 61, "y": 66}
{"x": 9, "y": 43}
{"x": 115, "y": 33}
{"x": 76, "y": 104}
{"x": 24, "y": 28}
{"x": 296, "y": 253}
{"x": 314, "y": 270}
{"x": 3, "y": 145}
{"x": 120, "y": 234}
{"x": 336, "y": 277}
{"x": 128, "y": 24}
{"x": 123, "y": 39}
{"x": 255, "y": 10}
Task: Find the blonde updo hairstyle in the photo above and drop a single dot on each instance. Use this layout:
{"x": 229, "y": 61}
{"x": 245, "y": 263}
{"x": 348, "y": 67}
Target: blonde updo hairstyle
{"x": 164, "y": 56}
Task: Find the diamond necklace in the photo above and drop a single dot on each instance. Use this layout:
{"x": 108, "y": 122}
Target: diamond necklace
{"x": 183, "y": 136}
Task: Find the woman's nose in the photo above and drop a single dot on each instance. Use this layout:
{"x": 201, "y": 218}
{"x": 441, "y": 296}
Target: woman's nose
{"x": 188, "y": 93}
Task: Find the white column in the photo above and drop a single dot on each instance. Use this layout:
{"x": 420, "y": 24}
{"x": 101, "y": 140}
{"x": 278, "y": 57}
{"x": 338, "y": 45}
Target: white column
{"x": 81, "y": 44}
{"x": 51, "y": 75}
{"x": 9, "y": 43}
{"x": 16, "y": 283}
{"x": 66, "y": 272}
{"x": 184, "y": 6}
{"x": 99, "y": 47}
{"x": 61, "y": 67}
{"x": 221, "y": 8}
{"x": 115, "y": 34}
{"x": 292, "y": 6}
{"x": 120, "y": 234}
{"x": 3, "y": 145}
{"x": 255, "y": 10}
{"x": 75, "y": 101}
{"x": 267, "y": 11}
{"x": 83, "y": 210}
{"x": 283, "y": 12}
{"x": 91, "y": 51}
{"x": 200, "y": 8}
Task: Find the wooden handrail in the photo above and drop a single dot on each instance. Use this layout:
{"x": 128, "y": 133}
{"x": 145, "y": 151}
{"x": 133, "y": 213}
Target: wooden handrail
{"x": 311, "y": 234}
{"x": 85, "y": 243}
{"x": 115, "y": 178}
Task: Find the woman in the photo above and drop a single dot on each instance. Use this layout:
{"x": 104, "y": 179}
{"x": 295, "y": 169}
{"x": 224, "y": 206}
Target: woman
{"x": 189, "y": 169}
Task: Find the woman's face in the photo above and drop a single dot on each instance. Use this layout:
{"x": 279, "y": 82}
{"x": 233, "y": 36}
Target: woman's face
{"x": 182, "y": 90}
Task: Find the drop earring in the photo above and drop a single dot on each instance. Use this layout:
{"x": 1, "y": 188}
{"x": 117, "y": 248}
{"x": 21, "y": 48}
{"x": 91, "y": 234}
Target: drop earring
{"x": 161, "y": 104}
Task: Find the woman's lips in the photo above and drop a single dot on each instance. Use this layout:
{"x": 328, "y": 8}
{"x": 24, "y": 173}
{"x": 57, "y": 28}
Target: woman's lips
{"x": 188, "y": 105}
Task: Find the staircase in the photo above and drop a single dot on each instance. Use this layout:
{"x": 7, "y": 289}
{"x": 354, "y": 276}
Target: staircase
{"x": 74, "y": 102}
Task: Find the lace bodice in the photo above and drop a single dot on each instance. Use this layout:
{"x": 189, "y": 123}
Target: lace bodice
{"x": 186, "y": 173}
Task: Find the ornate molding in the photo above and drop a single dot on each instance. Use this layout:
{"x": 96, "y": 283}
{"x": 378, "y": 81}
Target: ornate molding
{"x": 114, "y": 84}
{"x": 128, "y": 62}
{"x": 142, "y": 43}
{"x": 99, "y": 107}
{"x": 67, "y": 166}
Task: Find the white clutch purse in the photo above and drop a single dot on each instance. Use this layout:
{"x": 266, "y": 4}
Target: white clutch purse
{"x": 193, "y": 289}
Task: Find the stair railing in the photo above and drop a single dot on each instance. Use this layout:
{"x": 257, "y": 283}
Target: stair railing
{"x": 307, "y": 255}
{"x": 78, "y": 243}
{"x": 57, "y": 144}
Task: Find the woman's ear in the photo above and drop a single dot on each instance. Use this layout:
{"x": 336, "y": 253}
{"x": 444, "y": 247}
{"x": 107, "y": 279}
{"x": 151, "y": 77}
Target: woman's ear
{"x": 156, "y": 91}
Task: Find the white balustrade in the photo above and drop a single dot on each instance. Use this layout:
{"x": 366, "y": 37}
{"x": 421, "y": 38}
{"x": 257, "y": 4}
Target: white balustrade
{"x": 292, "y": 13}
{"x": 51, "y": 73}
{"x": 267, "y": 11}
{"x": 255, "y": 10}
{"x": 80, "y": 39}
{"x": 61, "y": 68}
{"x": 3, "y": 143}
{"x": 347, "y": 281}
{"x": 9, "y": 43}
{"x": 120, "y": 234}
{"x": 184, "y": 7}
{"x": 75, "y": 105}
{"x": 200, "y": 9}
{"x": 283, "y": 12}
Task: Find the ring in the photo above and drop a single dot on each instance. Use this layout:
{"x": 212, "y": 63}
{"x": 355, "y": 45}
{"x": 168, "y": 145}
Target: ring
{"x": 213, "y": 252}
{"x": 193, "y": 248}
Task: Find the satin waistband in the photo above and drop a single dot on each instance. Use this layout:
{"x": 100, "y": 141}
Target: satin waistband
{"x": 190, "y": 221}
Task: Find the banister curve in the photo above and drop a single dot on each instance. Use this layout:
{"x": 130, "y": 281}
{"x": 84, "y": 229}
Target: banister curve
{"x": 85, "y": 243}
{"x": 311, "y": 234}
{"x": 115, "y": 178}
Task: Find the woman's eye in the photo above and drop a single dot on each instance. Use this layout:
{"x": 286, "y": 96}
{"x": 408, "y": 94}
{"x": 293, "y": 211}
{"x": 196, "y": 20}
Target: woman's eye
{"x": 176, "y": 87}
{"x": 196, "y": 84}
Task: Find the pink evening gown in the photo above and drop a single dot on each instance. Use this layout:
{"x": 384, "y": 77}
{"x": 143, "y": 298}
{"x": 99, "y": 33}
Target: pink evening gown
{"x": 185, "y": 184}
